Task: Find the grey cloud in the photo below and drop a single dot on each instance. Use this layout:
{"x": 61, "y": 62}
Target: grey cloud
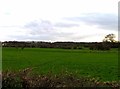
{"x": 39, "y": 26}
{"x": 46, "y": 30}
{"x": 105, "y": 21}
{"x": 47, "y": 25}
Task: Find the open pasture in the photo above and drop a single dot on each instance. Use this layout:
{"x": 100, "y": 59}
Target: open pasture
{"x": 83, "y": 62}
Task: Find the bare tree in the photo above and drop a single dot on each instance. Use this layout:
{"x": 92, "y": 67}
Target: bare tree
{"x": 109, "y": 38}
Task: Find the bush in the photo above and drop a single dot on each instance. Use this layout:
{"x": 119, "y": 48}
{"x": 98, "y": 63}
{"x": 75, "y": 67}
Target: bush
{"x": 23, "y": 80}
{"x": 100, "y": 47}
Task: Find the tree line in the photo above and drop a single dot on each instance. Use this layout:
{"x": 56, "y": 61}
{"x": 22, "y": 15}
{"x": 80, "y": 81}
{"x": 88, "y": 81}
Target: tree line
{"x": 64, "y": 45}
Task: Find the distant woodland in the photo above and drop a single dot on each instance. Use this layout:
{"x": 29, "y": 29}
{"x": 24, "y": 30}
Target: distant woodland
{"x": 63, "y": 45}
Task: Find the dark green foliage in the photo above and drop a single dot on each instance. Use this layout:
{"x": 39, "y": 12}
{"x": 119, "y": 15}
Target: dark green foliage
{"x": 102, "y": 46}
{"x": 64, "y": 45}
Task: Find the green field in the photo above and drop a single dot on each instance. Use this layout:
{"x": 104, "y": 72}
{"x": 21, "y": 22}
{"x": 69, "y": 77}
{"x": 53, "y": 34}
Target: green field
{"x": 102, "y": 64}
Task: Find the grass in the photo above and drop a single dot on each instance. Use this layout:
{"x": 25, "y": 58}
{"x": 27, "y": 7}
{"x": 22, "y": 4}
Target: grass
{"x": 98, "y": 64}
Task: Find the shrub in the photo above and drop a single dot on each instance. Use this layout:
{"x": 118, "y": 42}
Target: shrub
{"x": 100, "y": 47}
{"x": 23, "y": 80}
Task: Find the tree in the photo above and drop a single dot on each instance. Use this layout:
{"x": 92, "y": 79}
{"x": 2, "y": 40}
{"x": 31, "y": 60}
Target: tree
{"x": 109, "y": 38}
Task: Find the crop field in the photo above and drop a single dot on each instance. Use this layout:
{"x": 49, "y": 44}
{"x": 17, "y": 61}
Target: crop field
{"x": 83, "y": 62}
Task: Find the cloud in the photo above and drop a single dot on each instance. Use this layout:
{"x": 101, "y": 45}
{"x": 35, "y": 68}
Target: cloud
{"x": 45, "y": 30}
{"x": 66, "y": 25}
{"x": 52, "y": 37}
{"x": 45, "y": 24}
{"x": 70, "y": 30}
{"x": 47, "y": 27}
{"x": 39, "y": 26}
{"x": 104, "y": 21}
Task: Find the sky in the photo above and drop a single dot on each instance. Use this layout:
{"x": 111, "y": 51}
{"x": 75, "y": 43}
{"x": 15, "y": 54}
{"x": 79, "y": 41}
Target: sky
{"x": 58, "y": 20}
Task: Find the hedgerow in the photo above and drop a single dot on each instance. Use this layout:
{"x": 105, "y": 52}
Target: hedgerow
{"x": 26, "y": 80}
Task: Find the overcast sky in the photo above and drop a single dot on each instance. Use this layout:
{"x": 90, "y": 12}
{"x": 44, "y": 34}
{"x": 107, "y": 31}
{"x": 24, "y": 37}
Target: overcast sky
{"x": 58, "y": 20}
